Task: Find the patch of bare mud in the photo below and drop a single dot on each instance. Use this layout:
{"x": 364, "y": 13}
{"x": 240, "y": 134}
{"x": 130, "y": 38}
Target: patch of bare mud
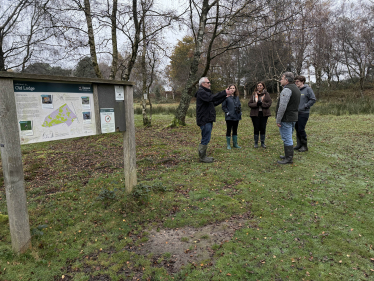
{"x": 174, "y": 248}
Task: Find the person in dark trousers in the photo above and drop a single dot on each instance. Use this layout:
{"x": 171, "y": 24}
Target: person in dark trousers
{"x": 287, "y": 114}
{"x": 260, "y": 103}
{"x": 206, "y": 114}
{"x": 233, "y": 113}
{"x": 307, "y": 100}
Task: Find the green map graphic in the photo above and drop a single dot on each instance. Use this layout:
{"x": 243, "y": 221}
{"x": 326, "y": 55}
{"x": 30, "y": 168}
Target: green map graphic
{"x": 63, "y": 115}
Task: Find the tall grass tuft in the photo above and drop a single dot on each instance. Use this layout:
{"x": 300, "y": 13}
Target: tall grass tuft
{"x": 328, "y": 106}
{"x": 166, "y": 109}
{"x": 349, "y": 106}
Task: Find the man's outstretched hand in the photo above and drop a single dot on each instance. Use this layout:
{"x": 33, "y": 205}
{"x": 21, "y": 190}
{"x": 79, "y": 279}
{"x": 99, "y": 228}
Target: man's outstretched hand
{"x": 229, "y": 92}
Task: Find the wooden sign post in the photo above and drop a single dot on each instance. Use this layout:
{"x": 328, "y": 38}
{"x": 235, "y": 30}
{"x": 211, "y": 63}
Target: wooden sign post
{"x": 129, "y": 146}
{"x": 11, "y": 158}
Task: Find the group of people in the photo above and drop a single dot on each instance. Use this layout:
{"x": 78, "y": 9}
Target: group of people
{"x": 292, "y": 112}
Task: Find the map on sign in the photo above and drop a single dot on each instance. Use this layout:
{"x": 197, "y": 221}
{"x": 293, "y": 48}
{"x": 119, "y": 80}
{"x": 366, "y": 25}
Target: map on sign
{"x": 63, "y": 115}
{"x": 54, "y": 111}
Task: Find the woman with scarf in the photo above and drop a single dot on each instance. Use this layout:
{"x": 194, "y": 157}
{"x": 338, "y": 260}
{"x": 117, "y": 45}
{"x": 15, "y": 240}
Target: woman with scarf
{"x": 260, "y": 103}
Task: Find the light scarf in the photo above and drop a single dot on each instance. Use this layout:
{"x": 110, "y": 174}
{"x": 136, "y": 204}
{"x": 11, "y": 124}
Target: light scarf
{"x": 256, "y": 96}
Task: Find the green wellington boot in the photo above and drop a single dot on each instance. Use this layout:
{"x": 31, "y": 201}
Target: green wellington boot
{"x": 202, "y": 154}
{"x": 235, "y": 141}
{"x": 228, "y": 139}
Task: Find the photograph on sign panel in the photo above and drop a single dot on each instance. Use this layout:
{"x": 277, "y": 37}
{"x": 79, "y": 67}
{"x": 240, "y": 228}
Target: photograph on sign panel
{"x": 26, "y": 128}
{"x": 47, "y": 101}
{"x": 86, "y": 103}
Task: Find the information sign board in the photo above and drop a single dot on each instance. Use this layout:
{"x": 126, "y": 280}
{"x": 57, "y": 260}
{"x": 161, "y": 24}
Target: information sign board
{"x": 53, "y": 111}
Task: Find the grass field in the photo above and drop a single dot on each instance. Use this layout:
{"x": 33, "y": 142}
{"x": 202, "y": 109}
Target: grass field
{"x": 243, "y": 217}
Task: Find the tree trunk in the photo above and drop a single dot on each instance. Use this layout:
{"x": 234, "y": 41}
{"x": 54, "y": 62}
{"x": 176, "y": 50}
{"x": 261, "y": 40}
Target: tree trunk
{"x": 318, "y": 81}
{"x": 329, "y": 78}
{"x": 91, "y": 38}
{"x": 144, "y": 77}
{"x": 309, "y": 75}
{"x": 150, "y": 109}
{"x": 302, "y": 47}
{"x": 2, "y": 62}
{"x": 135, "y": 45}
{"x": 113, "y": 19}
{"x": 187, "y": 94}
{"x": 362, "y": 81}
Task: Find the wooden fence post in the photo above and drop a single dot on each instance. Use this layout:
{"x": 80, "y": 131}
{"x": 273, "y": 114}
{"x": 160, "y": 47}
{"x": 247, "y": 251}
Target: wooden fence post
{"x": 129, "y": 146}
{"x": 11, "y": 158}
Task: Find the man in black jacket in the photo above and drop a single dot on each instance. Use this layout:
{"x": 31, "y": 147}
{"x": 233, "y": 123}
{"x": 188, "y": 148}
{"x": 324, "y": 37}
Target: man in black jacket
{"x": 206, "y": 114}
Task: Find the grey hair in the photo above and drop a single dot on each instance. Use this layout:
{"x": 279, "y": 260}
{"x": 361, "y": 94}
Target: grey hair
{"x": 202, "y": 80}
{"x": 289, "y": 77}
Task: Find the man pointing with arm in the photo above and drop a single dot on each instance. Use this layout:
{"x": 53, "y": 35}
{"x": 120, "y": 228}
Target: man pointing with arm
{"x": 206, "y": 114}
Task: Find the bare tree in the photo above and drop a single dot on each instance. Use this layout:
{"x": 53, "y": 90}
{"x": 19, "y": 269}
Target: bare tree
{"x": 113, "y": 19}
{"x": 302, "y": 32}
{"x": 23, "y": 32}
{"x": 241, "y": 22}
{"x": 90, "y": 32}
{"x": 131, "y": 27}
{"x": 356, "y": 36}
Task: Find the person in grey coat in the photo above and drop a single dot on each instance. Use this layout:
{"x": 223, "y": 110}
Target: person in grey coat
{"x": 307, "y": 100}
{"x": 286, "y": 114}
{"x": 233, "y": 113}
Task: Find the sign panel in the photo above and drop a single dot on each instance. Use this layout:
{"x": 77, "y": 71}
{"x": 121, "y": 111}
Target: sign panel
{"x": 108, "y": 124}
{"x": 120, "y": 93}
{"x": 53, "y": 111}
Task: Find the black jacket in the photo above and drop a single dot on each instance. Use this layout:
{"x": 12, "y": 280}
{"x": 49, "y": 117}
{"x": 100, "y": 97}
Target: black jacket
{"x": 232, "y": 108}
{"x": 205, "y": 103}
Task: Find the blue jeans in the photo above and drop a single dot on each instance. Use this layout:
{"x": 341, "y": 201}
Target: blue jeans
{"x": 206, "y": 133}
{"x": 285, "y": 131}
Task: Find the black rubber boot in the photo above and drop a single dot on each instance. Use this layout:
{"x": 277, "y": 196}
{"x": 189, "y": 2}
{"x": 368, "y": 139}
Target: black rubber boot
{"x": 262, "y": 137}
{"x": 202, "y": 154}
{"x": 288, "y": 152}
{"x": 256, "y": 141}
{"x": 304, "y": 145}
{"x": 298, "y": 145}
